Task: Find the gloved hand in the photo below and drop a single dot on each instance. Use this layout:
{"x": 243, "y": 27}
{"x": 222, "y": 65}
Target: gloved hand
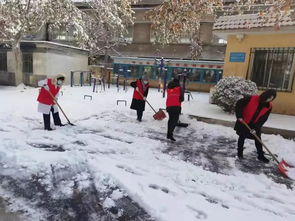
{"x": 241, "y": 120}
{"x": 252, "y": 131}
{"x": 46, "y": 87}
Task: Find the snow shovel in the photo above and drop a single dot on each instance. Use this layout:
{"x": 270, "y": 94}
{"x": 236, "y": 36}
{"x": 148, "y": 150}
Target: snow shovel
{"x": 283, "y": 165}
{"x": 55, "y": 101}
{"x": 160, "y": 115}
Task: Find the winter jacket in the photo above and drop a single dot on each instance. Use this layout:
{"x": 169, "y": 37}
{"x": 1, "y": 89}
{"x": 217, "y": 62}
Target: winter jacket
{"x": 143, "y": 89}
{"x": 253, "y": 112}
{"x": 174, "y": 97}
{"x": 249, "y": 112}
{"x": 138, "y": 102}
{"x": 44, "y": 98}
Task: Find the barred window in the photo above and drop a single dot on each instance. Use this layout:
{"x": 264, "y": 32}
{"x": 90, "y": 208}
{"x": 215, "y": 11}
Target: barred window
{"x": 3, "y": 61}
{"x": 273, "y": 68}
{"x": 28, "y": 63}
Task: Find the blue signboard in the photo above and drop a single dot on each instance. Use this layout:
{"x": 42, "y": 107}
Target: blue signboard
{"x": 237, "y": 57}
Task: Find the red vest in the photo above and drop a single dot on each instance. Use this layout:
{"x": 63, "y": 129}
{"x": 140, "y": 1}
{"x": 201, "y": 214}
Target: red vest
{"x": 251, "y": 108}
{"x": 173, "y": 97}
{"x": 44, "y": 96}
{"x": 136, "y": 95}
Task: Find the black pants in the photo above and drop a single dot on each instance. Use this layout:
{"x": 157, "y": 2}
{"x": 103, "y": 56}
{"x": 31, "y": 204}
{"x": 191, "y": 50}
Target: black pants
{"x": 258, "y": 145}
{"x": 56, "y": 119}
{"x": 172, "y": 122}
{"x": 139, "y": 114}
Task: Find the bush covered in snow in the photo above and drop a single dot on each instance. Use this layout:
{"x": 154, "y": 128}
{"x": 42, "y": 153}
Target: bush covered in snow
{"x": 230, "y": 89}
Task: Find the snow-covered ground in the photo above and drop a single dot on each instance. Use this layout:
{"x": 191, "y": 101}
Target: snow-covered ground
{"x": 109, "y": 160}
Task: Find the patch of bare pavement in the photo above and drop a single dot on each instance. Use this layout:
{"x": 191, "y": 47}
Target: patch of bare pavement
{"x": 83, "y": 204}
{"x": 6, "y": 215}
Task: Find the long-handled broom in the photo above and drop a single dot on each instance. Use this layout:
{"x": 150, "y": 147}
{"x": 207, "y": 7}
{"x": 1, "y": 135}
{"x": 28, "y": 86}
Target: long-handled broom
{"x": 283, "y": 166}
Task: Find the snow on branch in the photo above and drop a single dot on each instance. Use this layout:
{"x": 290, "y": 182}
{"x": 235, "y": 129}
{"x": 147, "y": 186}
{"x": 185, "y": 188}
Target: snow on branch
{"x": 174, "y": 20}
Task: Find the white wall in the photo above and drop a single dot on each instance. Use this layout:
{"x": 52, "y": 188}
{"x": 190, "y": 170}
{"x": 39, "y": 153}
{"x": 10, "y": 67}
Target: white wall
{"x": 40, "y": 63}
{"x": 52, "y": 63}
{"x": 10, "y": 62}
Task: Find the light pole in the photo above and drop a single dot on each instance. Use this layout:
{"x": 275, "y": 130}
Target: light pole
{"x": 125, "y": 80}
{"x": 162, "y": 65}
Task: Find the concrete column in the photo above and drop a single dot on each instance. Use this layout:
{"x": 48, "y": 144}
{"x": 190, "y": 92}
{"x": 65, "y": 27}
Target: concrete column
{"x": 141, "y": 33}
{"x": 206, "y": 32}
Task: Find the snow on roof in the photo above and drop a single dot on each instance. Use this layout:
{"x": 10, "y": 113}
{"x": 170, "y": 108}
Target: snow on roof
{"x": 250, "y": 21}
{"x": 56, "y": 44}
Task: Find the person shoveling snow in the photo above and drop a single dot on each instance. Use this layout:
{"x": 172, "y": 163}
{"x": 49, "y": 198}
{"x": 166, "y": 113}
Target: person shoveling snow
{"x": 254, "y": 111}
{"x": 173, "y": 106}
{"x": 141, "y": 90}
{"x": 47, "y": 104}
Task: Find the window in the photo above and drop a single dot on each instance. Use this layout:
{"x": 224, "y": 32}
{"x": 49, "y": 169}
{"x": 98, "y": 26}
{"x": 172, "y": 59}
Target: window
{"x": 129, "y": 35}
{"x": 195, "y": 75}
{"x": 150, "y": 72}
{"x": 210, "y": 76}
{"x": 273, "y": 68}
{"x": 178, "y": 71}
{"x": 222, "y": 41}
{"x": 3, "y": 61}
{"x": 28, "y": 63}
{"x": 157, "y": 73}
{"x": 136, "y": 71}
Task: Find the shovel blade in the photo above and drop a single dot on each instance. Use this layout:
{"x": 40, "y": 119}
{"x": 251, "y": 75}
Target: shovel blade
{"x": 160, "y": 115}
{"x": 283, "y": 167}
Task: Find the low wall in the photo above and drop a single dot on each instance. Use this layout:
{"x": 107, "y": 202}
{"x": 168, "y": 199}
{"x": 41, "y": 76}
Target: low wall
{"x": 7, "y": 78}
{"x": 289, "y": 134}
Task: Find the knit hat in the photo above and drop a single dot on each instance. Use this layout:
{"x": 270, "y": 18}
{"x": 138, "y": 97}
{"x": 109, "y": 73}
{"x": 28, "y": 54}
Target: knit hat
{"x": 60, "y": 77}
{"x": 176, "y": 80}
{"x": 268, "y": 94}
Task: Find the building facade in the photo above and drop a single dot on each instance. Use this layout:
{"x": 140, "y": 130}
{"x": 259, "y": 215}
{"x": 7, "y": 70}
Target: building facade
{"x": 200, "y": 75}
{"x": 42, "y": 59}
{"x": 46, "y": 53}
{"x": 261, "y": 51}
{"x": 142, "y": 42}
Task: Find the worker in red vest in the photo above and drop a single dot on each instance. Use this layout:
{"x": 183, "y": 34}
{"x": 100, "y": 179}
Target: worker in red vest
{"x": 173, "y": 106}
{"x": 254, "y": 111}
{"x": 141, "y": 89}
{"x": 46, "y": 102}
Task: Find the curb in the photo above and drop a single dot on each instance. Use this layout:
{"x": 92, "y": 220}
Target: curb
{"x": 289, "y": 134}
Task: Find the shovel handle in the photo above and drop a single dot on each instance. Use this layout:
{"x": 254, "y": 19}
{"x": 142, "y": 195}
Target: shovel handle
{"x": 260, "y": 141}
{"x": 55, "y": 101}
{"x": 146, "y": 101}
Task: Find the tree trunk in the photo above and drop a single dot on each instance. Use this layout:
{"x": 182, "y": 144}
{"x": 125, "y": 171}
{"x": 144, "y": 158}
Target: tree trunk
{"x": 18, "y": 60}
